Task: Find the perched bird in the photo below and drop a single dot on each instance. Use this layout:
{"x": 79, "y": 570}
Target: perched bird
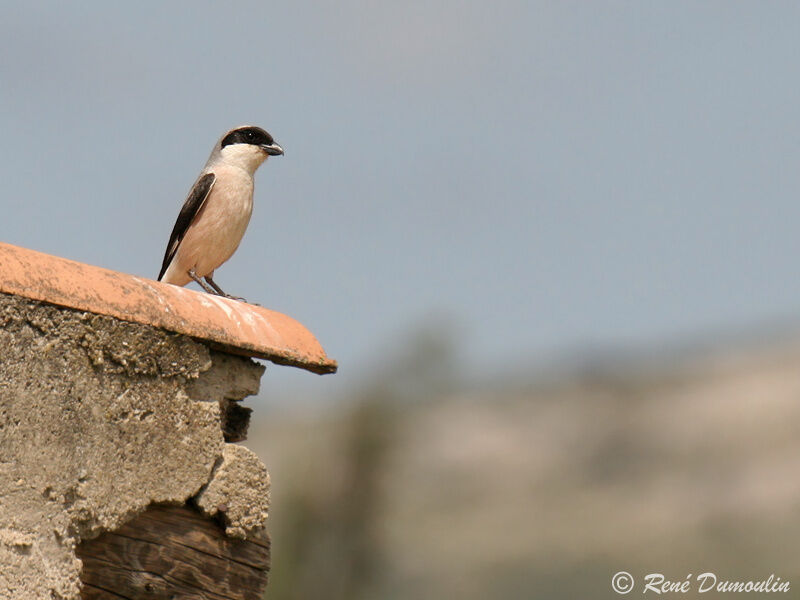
{"x": 216, "y": 213}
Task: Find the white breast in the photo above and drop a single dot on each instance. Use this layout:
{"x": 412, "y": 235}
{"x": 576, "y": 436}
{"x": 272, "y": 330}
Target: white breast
{"x": 217, "y": 231}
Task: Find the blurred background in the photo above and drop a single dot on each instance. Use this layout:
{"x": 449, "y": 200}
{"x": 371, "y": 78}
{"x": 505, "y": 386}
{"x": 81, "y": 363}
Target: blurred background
{"x": 552, "y": 245}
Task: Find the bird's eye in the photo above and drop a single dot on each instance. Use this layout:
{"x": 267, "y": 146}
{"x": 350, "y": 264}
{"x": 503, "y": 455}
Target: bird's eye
{"x": 251, "y": 135}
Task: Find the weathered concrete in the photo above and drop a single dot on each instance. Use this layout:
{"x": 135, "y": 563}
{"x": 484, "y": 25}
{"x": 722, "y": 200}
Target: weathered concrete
{"x": 239, "y": 492}
{"x": 229, "y": 380}
{"x": 98, "y": 419}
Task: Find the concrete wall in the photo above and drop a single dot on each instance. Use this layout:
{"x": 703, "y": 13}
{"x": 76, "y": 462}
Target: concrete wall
{"x": 100, "y": 418}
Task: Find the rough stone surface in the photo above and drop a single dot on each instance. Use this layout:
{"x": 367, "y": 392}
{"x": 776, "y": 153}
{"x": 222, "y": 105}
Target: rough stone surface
{"x": 96, "y": 423}
{"x": 238, "y": 492}
{"x": 228, "y": 378}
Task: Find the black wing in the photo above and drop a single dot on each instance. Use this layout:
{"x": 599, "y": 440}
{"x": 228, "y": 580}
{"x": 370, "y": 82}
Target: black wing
{"x": 192, "y": 206}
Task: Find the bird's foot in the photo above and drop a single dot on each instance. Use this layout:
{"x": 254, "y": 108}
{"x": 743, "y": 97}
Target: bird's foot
{"x": 220, "y": 292}
{"x": 212, "y": 288}
{"x": 240, "y": 299}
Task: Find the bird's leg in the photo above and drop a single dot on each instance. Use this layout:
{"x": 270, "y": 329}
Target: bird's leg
{"x": 204, "y": 285}
{"x": 219, "y": 290}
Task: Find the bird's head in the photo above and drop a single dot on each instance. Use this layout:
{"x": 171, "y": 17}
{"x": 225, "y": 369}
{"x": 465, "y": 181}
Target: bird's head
{"x": 247, "y": 147}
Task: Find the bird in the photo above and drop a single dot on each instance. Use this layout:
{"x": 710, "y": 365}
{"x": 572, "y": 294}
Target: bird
{"x": 217, "y": 210}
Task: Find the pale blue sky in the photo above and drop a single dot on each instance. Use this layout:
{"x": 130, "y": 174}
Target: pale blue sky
{"x": 546, "y": 176}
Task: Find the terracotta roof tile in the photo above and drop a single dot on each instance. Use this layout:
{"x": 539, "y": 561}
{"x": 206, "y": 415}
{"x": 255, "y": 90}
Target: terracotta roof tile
{"x": 235, "y": 326}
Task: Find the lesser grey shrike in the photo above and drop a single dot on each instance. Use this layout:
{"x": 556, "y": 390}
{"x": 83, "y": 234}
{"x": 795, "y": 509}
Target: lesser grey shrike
{"x": 216, "y": 212}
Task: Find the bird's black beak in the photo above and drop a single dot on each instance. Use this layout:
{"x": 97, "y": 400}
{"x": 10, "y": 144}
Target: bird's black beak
{"x": 272, "y": 149}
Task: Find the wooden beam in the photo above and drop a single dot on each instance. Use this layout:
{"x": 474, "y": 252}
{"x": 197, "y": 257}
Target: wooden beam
{"x": 173, "y": 553}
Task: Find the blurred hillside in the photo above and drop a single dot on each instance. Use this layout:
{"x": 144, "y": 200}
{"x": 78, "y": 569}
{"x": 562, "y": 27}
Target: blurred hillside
{"x": 539, "y": 490}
